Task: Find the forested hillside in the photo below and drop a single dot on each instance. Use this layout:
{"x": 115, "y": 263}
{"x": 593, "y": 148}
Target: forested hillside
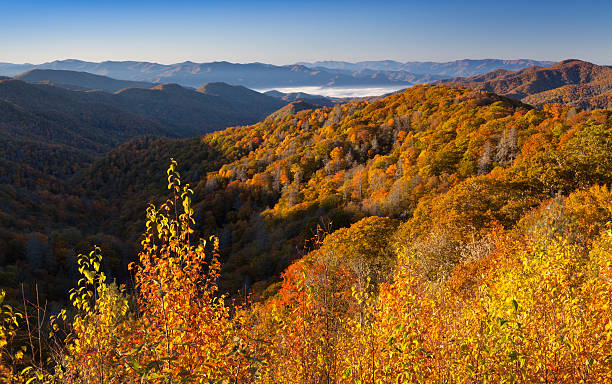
{"x": 264, "y": 189}
{"x": 435, "y": 235}
{"x": 570, "y": 82}
{"x": 408, "y": 156}
{"x": 50, "y": 135}
{"x": 47, "y": 132}
{"x": 183, "y": 112}
{"x": 55, "y": 131}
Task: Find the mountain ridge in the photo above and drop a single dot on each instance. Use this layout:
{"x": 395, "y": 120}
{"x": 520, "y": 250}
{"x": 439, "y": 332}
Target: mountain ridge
{"x": 454, "y": 68}
{"x": 187, "y": 111}
{"x": 81, "y": 80}
{"x": 252, "y": 75}
{"x": 266, "y": 76}
{"x": 570, "y": 81}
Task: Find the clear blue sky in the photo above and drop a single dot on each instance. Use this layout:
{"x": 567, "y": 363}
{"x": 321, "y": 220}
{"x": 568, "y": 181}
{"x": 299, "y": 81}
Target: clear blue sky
{"x": 284, "y": 32}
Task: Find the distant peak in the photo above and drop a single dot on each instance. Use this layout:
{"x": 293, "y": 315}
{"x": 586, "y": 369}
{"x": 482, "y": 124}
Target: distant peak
{"x": 168, "y": 87}
{"x": 55, "y": 71}
{"x": 573, "y": 61}
{"x": 216, "y": 84}
{"x": 69, "y": 61}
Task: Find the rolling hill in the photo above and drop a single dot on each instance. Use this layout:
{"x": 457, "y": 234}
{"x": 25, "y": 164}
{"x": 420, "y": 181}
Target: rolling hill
{"x": 55, "y": 131}
{"x": 55, "y": 115}
{"x": 49, "y": 134}
{"x": 291, "y": 109}
{"x": 244, "y": 100}
{"x": 183, "y": 112}
{"x": 190, "y": 112}
{"x": 322, "y": 101}
{"x": 574, "y": 82}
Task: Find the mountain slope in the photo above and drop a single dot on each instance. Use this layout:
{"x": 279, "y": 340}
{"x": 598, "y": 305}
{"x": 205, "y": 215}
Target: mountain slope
{"x": 443, "y": 225}
{"x": 48, "y": 134}
{"x": 243, "y": 100}
{"x": 398, "y": 157}
{"x": 26, "y": 106}
{"x": 449, "y": 163}
{"x": 192, "y": 112}
{"x": 40, "y": 122}
{"x": 184, "y": 112}
{"x": 572, "y": 82}
{"x": 10, "y": 69}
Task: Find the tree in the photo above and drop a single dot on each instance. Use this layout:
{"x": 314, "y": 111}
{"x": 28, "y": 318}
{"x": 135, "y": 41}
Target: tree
{"x": 485, "y": 162}
{"x": 507, "y": 148}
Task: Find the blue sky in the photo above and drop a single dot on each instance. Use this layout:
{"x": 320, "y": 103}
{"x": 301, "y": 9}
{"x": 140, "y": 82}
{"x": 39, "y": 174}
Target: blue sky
{"x": 284, "y": 32}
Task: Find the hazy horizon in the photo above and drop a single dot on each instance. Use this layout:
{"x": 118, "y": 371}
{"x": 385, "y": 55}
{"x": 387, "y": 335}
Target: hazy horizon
{"x": 292, "y": 63}
{"x": 271, "y": 31}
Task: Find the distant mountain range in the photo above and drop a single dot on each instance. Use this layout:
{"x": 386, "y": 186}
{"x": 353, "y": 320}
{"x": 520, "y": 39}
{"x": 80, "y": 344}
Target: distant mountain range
{"x": 575, "y": 82}
{"x": 253, "y": 75}
{"x": 246, "y": 100}
{"x": 455, "y": 68}
{"x": 266, "y": 76}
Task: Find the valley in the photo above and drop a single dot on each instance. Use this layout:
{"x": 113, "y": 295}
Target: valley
{"x": 109, "y": 183}
{"x": 320, "y": 219}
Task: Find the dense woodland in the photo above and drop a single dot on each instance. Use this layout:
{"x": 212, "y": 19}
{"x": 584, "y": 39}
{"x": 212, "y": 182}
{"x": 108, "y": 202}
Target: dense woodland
{"x": 436, "y": 235}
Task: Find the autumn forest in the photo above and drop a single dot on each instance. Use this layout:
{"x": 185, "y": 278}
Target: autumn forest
{"x": 436, "y": 235}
